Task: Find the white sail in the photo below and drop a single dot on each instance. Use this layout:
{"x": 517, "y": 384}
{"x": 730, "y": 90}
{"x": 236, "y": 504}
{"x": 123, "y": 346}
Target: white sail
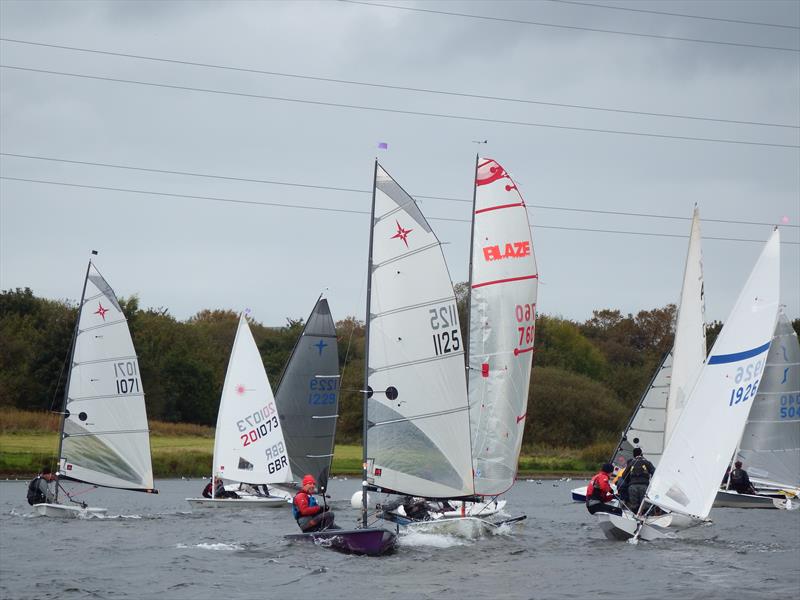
{"x": 689, "y": 348}
{"x": 770, "y": 446}
{"x": 646, "y": 428}
{"x": 105, "y": 438}
{"x": 503, "y": 288}
{"x": 417, "y": 415}
{"x": 249, "y": 445}
{"x": 711, "y": 424}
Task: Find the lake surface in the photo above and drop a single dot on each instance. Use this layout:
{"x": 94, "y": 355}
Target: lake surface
{"x": 154, "y": 546}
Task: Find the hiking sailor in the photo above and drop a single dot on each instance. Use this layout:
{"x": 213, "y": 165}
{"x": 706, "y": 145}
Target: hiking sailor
{"x": 740, "y": 480}
{"x": 38, "y": 489}
{"x": 636, "y": 479}
{"x": 219, "y": 490}
{"x": 599, "y": 493}
{"x": 309, "y": 515}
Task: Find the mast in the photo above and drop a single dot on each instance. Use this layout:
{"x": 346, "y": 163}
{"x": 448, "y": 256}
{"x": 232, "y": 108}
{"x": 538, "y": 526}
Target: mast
{"x": 69, "y": 373}
{"x": 471, "y": 248}
{"x": 366, "y": 353}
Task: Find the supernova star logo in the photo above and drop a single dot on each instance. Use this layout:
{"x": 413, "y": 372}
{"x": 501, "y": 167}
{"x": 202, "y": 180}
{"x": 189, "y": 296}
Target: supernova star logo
{"x": 402, "y": 233}
{"x": 101, "y": 311}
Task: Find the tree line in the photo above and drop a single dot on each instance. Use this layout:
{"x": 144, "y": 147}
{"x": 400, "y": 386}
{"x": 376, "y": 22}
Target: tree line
{"x": 587, "y": 376}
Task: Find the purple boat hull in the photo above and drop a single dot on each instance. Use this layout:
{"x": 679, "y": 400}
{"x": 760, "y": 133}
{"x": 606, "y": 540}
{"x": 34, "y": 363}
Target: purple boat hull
{"x": 370, "y": 541}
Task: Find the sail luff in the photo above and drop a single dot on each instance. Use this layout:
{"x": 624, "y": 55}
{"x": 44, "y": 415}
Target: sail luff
{"x": 711, "y": 424}
{"x": 365, "y": 414}
{"x": 69, "y": 375}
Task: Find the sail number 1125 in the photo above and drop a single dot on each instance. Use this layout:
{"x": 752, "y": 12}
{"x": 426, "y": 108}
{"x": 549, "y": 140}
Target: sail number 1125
{"x": 444, "y": 324}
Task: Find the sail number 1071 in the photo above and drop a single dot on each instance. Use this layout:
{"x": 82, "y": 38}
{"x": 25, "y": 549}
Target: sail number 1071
{"x": 126, "y": 374}
{"x": 444, "y": 324}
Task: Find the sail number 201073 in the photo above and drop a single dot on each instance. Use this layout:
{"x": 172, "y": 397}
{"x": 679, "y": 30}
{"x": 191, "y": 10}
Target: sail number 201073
{"x": 444, "y": 324}
{"x": 748, "y": 376}
{"x": 126, "y": 374}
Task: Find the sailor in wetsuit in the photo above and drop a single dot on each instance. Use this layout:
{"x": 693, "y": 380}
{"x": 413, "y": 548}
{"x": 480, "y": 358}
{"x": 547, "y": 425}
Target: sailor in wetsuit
{"x": 309, "y": 515}
{"x": 599, "y": 493}
{"x": 740, "y": 480}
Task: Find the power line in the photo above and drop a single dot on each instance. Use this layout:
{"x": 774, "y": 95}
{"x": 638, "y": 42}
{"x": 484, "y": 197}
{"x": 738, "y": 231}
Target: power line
{"x": 395, "y": 87}
{"x": 362, "y": 191}
{"x": 573, "y": 27}
{"x": 348, "y": 211}
{"x": 671, "y": 14}
{"x": 399, "y": 111}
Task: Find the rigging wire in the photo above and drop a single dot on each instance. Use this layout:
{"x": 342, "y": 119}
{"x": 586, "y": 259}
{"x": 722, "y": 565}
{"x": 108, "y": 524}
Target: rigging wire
{"x": 399, "y": 111}
{"x": 350, "y": 211}
{"x": 396, "y": 87}
{"x": 571, "y": 27}
{"x": 672, "y": 14}
{"x": 364, "y": 191}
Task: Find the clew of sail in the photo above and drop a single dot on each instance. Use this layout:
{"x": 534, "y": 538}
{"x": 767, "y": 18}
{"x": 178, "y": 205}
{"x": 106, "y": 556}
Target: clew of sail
{"x": 689, "y": 349}
{"x": 770, "y": 446}
{"x": 308, "y": 397}
{"x": 503, "y": 286}
{"x": 646, "y": 427}
{"x": 249, "y": 446}
{"x": 417, "y": 408}
{"x": 711, "y": 424}
{"x": 105, "y": 439}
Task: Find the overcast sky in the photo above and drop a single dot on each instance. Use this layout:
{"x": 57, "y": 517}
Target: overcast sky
{"x": 186, "y": 253}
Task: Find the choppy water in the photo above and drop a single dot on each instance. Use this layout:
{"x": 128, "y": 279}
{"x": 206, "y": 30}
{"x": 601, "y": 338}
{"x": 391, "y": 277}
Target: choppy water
{"x": 155, "y": 547}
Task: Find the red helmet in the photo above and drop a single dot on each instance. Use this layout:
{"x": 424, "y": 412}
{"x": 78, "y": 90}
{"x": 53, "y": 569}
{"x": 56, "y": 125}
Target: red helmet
{"x": 309, "y": 480}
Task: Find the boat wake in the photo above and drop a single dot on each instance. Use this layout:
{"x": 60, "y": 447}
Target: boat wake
{"x": 218, "y": 546}
{"x": 431, "y": 540}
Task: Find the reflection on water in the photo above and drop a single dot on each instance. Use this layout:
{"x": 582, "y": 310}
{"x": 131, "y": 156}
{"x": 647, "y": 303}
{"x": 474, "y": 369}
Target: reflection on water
{"x": 155, "y": 546}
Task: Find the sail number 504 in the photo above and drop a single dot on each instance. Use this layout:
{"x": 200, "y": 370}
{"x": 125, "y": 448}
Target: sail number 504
{"x": 127, "y": 377}
{"x": 444, "y": 324}
{"x": 748, "y": 376}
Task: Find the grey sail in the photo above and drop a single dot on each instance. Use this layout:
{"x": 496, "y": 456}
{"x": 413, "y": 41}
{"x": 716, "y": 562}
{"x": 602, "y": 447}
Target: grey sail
{"x": 308, "y": 397}
{"x": 770, "y": 445}
{"x": 646, "y": 427}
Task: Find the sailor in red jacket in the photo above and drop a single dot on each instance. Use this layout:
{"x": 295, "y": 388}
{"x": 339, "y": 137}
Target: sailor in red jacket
{"x": 310, "y": 516}
{"x": 599, "y": 493}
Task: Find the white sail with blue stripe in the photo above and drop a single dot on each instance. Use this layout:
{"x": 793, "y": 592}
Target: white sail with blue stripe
{"x": 712, "y": 422}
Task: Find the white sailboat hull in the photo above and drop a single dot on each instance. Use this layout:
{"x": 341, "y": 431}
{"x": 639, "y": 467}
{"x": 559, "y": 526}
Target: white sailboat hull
{"x": 63, "y": 511}
{"x": 731, "y": 499}
{"x": 238, "y": 503}
{"x": 624, "y": 527}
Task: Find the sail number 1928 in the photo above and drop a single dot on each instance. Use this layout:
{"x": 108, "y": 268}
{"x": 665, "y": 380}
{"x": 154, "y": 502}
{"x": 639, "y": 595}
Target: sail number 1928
{"x": 444, "y": 325}
{"x": 127, "y": 377}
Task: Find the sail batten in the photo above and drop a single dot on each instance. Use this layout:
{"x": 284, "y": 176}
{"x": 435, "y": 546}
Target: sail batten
{"x": 503, "y": 307}
{"x": 105, "y": 436}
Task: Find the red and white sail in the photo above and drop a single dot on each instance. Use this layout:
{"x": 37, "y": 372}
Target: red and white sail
{"x": 504, "y": 281}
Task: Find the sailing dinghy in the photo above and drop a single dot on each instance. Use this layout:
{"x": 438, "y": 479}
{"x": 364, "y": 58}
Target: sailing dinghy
{"x": 249, "y": 445}
{"x": 716, "y": 410}
{"x": 770, "y": 445}
{"x": 104, "y": 438}
{"x": 660, "y": 406}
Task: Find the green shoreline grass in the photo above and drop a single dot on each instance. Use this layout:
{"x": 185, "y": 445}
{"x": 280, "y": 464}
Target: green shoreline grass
{"x": 23, "y": 454}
